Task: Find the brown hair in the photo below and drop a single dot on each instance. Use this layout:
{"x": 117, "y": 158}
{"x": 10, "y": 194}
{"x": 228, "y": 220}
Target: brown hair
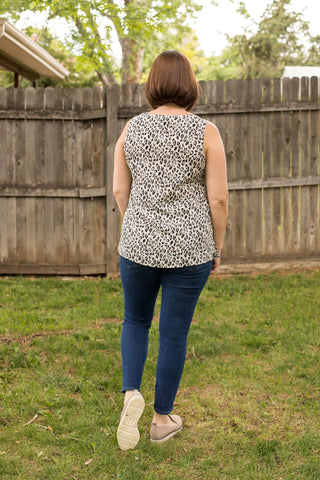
{"x": 171, "y": 79}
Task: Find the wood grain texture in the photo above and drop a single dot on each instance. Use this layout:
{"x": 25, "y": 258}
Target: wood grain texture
{"x": 57, "y": 212}
{"x": 112, "y": 212}
{"x": 267, "y": 195}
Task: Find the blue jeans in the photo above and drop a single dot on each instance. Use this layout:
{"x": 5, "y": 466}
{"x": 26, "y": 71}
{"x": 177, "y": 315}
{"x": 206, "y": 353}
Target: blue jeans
{"x": 181, "y": 288}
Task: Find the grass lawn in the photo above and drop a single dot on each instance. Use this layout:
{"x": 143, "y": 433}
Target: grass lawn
{"x": 249, "y": 395}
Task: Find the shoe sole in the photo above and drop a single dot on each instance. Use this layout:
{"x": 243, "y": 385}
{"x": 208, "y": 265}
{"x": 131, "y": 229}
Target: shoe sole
{"x": 164, "y": 439}
{"x": 128, "y": 433}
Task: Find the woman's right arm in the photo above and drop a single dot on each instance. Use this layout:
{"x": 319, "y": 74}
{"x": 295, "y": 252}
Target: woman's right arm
{"x": 217, "y": 185}
{"x": 121, "y": 174}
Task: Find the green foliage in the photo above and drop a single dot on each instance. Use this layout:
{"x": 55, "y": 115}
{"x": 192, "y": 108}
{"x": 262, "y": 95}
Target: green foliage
{"x": 266, "y": 46}
{"x": 81, "y": 71}
{"x": 270, "y": 44}
{"x": 313, "y": 57}
{"x": 91, "y": 22}
{"x": 221, "y": 67}
{"x": 147, "y": 27}
{"x": 184, "y": 41}
{"x": 7, "y": 79}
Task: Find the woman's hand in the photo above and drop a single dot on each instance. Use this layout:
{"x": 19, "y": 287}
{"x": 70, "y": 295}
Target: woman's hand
{"x": 215, "y": 264}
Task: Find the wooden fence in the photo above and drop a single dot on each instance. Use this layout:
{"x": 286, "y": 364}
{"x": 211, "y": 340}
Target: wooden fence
{"x": 57, "y": 212}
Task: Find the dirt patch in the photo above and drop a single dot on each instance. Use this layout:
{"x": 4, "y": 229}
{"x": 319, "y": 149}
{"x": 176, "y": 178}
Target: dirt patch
{"x": 266, "y": 268}
{"x": 24, "y": 339}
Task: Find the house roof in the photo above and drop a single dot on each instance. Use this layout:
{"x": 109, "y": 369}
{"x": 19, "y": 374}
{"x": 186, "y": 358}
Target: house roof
{"x": 22, "y": 55}
{"x": 301, "y": 71}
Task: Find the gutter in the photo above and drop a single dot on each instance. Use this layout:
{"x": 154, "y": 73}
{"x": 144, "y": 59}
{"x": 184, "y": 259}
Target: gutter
{"x": 11, "y": 37}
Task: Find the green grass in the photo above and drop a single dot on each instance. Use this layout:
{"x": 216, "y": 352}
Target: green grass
{"x": 249, "y": 396}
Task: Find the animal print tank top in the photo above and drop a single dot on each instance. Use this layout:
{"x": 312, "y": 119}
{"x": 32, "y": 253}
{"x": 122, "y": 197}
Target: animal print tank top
{"x": 167, "y": 223}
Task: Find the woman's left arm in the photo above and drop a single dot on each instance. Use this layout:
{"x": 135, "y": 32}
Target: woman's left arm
{"x": 121, "y": 174}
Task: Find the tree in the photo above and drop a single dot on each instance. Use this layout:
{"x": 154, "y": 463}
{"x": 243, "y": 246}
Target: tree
{"x": 186, "y": 42}
{"x": 279, "y": 38}
{"x": 91, "y": 23}
{"x": 313, "y": 57}
{"x": 278, "y": 41}
{"x": 222, "y": 67}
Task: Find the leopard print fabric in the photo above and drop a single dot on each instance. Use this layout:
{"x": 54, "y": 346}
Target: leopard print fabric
{"x": 167, "y": 223}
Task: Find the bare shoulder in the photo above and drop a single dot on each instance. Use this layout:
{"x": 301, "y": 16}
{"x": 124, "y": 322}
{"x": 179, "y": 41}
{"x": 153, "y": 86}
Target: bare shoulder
{"x": 211, "y": 136}
{"x": 124, "y": 132}
{"x": 211, "y": 130}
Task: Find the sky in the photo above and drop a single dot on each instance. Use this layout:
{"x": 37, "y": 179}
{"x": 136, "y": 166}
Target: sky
{"x": 212, "y": 23}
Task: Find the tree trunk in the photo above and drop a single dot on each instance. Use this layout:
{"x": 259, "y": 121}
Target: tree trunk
{"x": 132, "y": 56}
{"x": 106, "y": 78}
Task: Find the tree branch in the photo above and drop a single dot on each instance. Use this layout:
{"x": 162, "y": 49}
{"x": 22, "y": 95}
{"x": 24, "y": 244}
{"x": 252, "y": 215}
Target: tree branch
{"x": 106, "y": 78}
{"x": 114, "y": 17}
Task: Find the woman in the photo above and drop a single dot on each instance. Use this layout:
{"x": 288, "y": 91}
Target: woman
{"x": 170, "y": 185}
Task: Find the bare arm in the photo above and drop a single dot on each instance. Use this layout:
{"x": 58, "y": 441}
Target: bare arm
{"x": 121, "y": 174}
{"x": 217, "y": 186}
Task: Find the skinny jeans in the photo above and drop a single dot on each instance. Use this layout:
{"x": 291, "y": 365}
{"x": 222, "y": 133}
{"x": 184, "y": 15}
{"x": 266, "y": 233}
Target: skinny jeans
{"x": 181, "y": 288}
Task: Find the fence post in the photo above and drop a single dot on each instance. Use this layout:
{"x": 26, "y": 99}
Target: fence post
{"x": 112, "y": 213}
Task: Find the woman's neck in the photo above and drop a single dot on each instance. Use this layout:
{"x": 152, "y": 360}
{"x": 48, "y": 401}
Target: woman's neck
{"x": 170, "y": 109}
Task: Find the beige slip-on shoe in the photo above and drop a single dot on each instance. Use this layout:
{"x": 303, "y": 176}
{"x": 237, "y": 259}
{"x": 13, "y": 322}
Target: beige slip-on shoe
{"x": 162, "y": 433}
{"x": 128, "y": 434}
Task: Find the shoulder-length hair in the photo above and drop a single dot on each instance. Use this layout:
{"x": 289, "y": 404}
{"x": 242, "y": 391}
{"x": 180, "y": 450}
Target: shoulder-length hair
{"x": 171, "y": 79}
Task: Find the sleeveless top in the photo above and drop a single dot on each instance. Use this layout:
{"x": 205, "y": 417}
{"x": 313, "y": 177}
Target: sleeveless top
{"x": 167, "y": 223}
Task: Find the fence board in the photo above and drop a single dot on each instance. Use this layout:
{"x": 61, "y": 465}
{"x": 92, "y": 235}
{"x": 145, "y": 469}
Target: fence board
{"x": 229, "y": 146}
{"x": 3, "y": 98}
{"x": 49, "y": 234}
{"x": 87, "y": 139}
{"x": 3, "y": 231}
{"x": 69, "y": 240}
{"x": 267, "y": 195}
{"x": 31, "y": 239}
{"x": 98, "y": 178}
{"x": 40, "y": 227}
{"x": 11, "y": 207}
{"x": 59, "y": 229}
{"x": 98, "y": 172}
{"x": 39, "y": 160}
{"x": 112, "y": 213}
{"x": 87, "y": 240}
{"x": 100, "y": 224}
{"x": 276, "y": 202}
{"x": 294, "y": 208}
{"x": 305, "y": 167}
{"x": 59, "y": 160}
{"x": 68, "y": 141}
{"x": 255, "y": 196}
{"x": 30, "y": 178}
{"x": 202, "y": 100}
{"x": 3, "y": 150}
{"x": 314, "y": 240}
{"x": 31, "y": 127}
{"x": 236, "y": 213}
{"x": 49, "y": 141}
{"x": 10, "y": 154}
{"x": 286, "y": 170}
{"x": 247, "y": 172}
{"x": 49, "y": 164}
{"x": 22, "y": 230}
{"x": 78, "y": 210}
{"x": 21, "y": 168}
